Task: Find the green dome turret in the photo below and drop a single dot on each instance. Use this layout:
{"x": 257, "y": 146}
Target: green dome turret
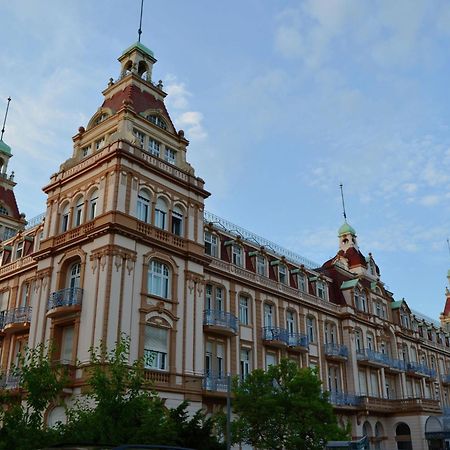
{"x": 5, "y": 148}
{"x": 346, "y": 229}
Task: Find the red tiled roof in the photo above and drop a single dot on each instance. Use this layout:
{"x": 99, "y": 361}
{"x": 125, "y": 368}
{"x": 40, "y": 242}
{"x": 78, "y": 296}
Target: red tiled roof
{"x": 140, "y": 101}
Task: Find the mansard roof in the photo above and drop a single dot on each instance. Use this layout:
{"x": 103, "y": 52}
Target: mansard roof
{"x": 8, "y": 198}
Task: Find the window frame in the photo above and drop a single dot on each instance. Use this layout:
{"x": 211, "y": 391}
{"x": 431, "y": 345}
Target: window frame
{"x": 159, "y": 283}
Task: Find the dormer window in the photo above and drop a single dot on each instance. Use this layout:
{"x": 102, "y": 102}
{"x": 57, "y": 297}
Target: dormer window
{"x": 404, "y": 319}
{"x": 157, "y": 121}
{"x": 85, "y": 151}
{"x": 282, "y": 274}
{"x": 261, "y": 268}
{"x": 170, "y": 156}
{"x": 237, "y": 255}
{"x": 100, "y": 118}
{"x": 19, "y": 250}
{"x": 153, "y": 147}
{"x": 321, "y": 289}
{"x": 211, "y": 244}
{"x": 360, "y": 300}
{"x": 302, "y": 282}
{"x": 3, "y": 210}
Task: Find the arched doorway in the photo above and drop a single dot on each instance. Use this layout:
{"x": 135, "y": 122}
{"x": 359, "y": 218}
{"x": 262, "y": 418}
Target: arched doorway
{"x": 403, "y": 437}
{"x": 367, "y": 431}
{"x": 379, "y": 435}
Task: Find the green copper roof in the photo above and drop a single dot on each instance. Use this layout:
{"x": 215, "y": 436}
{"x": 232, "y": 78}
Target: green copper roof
{"x": 397, "y": 304}
{"x": 5, "y": 148}
{"x": 349, "y": 283}
{"x": 140, "y": 47}
{"x": 373, "y": 285}
{"x": 346, "y": 229}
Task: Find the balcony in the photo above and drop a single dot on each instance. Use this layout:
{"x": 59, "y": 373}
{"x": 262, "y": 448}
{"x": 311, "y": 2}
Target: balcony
{"x": 220, "y": 322}
{"x": 396, "y": 365}
{"x": 17, "y": 319}
{"x": 342, "y": 399}
{"x": 298, "y": 342}
{"x": 215, "y": 382}
{"x": 400, "y": 406}
{"x": 64, "y": 301}
{"x": 421, "y": 370}
{"x": 372, "y": 358}
{"x": 336, "y": 352}
{"x": 445, "y": 379}
{"x": 9, "y": 381}
{"x": 275, "y": 336}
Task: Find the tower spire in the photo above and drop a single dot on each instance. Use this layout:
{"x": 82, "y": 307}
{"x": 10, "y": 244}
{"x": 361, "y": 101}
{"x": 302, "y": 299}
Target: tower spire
{"x": 140, "y": 21}
{"x": 343, "y": 203}
{"x": 4, "y": 120}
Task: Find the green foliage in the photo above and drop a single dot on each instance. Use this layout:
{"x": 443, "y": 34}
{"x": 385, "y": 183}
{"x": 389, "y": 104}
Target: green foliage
{"x": 283, "y": 408}
{"x": 119, "y": 408}
{"x": 22, "y": 412}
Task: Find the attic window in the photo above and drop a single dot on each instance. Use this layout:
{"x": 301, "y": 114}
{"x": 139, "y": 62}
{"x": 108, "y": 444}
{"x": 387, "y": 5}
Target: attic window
{"x": 100, "y": 118}
{"x": 157, "y": 121}
{"x": 3, "y": 210}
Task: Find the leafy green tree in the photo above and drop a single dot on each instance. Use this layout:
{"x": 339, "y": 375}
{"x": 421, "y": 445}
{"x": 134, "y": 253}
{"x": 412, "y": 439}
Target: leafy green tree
{"x": 283, "y": 408}
{"x": 40, "y": 381}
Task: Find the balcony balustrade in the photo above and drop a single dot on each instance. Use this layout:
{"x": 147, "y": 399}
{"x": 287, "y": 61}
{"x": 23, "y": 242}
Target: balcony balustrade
{"x": 65, "y": 300}
{"x": 9, "y": 381}
{"x": 344, "y": 399}
{"x": 215, "y": 381}
{"x": 335, "y": 351}
{"x": 420, "y": 369}
{"x": 16, "y": 318}
{"x": 297, "y": 341}
{"x": 220, "y": 321}
{"x": 372, "y": 357}
{"x": 276, "y": 336}
{"x": 397, "y": 365}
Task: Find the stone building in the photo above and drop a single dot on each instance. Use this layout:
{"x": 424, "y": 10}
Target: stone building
{"x": 125, "y": 246}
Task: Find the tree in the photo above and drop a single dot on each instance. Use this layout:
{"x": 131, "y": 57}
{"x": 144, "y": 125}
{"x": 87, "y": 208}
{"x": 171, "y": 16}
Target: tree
{"x": 40, "y": 381}
{"x": 283, "y": 408}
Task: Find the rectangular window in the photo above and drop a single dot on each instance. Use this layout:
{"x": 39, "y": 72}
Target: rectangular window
{"x": 211, "y": 244}
{"x": 78, "y": 214}
{"x": 85, "y": 151}
{"x": 271, "y": 360}
{"x": 261, "y": 265}
{"x": 321, "y": 289}
{"x": 140, "y": 137}
{"x": 99, "y": 144}
{"x": 65, "y": 222}
{"x": 237, "y": 255}
{"x": 245, "y": 363}
{"x": 25, "y": 294}
{"x": 67, "y": 345}
{"x": 268, "y": 315}
{"x": 170, "y": 156}
{"x": 310, "y": 328}
{"x": 290, "y": 322}
{"x": 153, "y": 147}
{"x": 214, "y": 298}
{"x": 155, "y": 348}
{"x": 244, "y": 310}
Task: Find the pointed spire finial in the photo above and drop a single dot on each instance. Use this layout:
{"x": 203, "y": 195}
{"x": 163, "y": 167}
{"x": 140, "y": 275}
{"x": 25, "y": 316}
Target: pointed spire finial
{"x": 140, "y": 21}
{"x": 4, "y": 120}
{"x": 343, "y": 203}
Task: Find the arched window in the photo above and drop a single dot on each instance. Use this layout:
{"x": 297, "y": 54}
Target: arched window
{"x": 161, "y": 214}
{"x": 370, "y": 341}
{"x": 78, "y": 211}
{"x": 177, "y": 221}
{"x": 93, "y": 200}
{"x": 330, "y": 333}
{"x": 403, "y": 437}
{"x": 159, "y": 279}
{"x": 65, "y": 218}
{"x": 74, "y": 275}
{"x": 359, "y": 341}
{"x": 143, "y": 206}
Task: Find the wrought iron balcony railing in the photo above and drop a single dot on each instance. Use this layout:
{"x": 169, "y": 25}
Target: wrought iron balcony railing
{"x": 344, "y": 399}
{"x": 275, "y": 334}
{"x": 297, "y": 339}
{"x": 65, "y": 297}
{"x": 337, "y": 350}
{"x": 218, "y": 318}
{"x": 9, "y": 381}
{"x": 215, "y": 381}
{"x": 421, "y": 369}
{"x": 17, "y": 315}
{"x": 373, "y": 356}
{"x": 397, "y": 364}
{"x": 446, "y": 378}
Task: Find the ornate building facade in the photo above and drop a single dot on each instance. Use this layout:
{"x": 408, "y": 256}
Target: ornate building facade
{"x": 125, "y": 246}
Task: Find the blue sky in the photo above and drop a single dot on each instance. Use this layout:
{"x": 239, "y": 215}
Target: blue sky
{"x": 282, "y": 101}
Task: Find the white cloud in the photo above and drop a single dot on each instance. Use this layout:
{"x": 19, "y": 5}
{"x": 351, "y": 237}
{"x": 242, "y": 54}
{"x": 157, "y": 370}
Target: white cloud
{"x": 430, "y": 200}
{"x": 191, "y": 121}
